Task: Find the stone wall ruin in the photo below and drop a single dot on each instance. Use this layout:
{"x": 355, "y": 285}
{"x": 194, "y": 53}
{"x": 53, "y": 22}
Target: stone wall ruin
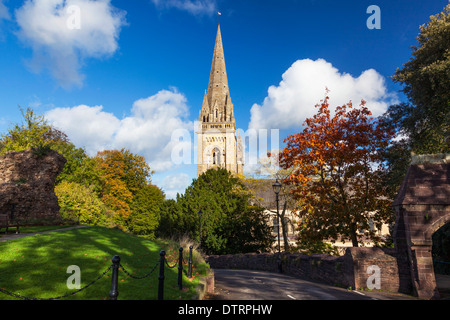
{"x": 27, "y": 183}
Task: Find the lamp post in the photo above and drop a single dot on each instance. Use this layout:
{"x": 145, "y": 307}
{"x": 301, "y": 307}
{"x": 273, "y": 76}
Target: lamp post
{"x": 277, "y": 188}
{"x": 199, "y": 227}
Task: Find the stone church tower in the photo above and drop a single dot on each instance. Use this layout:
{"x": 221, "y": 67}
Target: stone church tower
{"x": 218, "y": 144}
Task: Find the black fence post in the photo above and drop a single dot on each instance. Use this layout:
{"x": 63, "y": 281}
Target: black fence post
{"x": 190, "y": 262}
{"x": 161, "y": 275}
{"x": 114, "y": 293}
{"x": 180, "y": 269}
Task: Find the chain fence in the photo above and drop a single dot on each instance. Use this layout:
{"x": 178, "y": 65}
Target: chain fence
{"x": 116, "y": 266}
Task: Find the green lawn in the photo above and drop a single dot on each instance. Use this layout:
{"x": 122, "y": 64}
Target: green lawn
{"x": 36, "y": 266}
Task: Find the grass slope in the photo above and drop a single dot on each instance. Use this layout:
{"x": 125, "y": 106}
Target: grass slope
{"x": 36, "y": 266}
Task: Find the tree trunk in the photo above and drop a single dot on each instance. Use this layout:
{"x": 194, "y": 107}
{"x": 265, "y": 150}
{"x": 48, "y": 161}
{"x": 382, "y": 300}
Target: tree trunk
{"x": 353, "y": 235}
{"x": 285, "y": 229}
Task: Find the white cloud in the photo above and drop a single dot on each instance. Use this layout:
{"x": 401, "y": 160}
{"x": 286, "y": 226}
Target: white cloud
{"x": 175, "y": 183}
{"x": 147, "y": 131}
{"x": 86, "y": 126}
{"x": 303, "y": 86}
{"x": 63, "y": 33}
{"x": 195, "y": 7}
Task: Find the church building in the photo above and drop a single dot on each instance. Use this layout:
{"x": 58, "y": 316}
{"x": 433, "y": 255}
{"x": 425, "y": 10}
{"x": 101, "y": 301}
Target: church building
{"x": 218, "y": 144}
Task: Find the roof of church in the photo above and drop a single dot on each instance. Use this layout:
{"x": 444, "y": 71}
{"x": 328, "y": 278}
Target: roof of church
{"x": 218, "y": 80}
{"x": 217, "y": 100}
{"x": 427, "y": 181}
{"x": 263, "y": 191}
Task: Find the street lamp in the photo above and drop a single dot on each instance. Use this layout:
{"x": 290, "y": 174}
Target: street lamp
{"x": 277, "y": 188}
{"x": 199, "y": 227}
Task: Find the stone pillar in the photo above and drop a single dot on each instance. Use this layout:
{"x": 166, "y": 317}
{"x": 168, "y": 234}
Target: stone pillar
{"x": 422, "y": 207}
{"x": 422, "y": 268}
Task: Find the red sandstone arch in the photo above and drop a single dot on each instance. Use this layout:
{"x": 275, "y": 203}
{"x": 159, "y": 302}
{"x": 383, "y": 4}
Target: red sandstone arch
{"x": 422, "y": 206}
{"x": 436, "y": 225}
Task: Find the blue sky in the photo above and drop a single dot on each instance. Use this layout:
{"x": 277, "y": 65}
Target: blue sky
{"x": 128, "y": 74}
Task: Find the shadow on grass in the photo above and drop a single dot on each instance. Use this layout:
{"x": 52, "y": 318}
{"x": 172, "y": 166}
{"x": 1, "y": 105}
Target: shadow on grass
{"x": 36, "y": 266}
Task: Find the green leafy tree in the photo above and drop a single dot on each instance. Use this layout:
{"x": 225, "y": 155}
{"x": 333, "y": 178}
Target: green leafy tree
{"x": 125, "y": 178}
{"x": 426, "y": 81}
{"x": 138, "y": 172}
{"x": 79, "y": 203}
{"x": 146, "y": 206}
{"x": 423, "y": 121}
{"x": 86, "y": 173}
{"x": 228, "y": 222}
{"x": 172, "y": 223}
{"x": 33, "y": 132}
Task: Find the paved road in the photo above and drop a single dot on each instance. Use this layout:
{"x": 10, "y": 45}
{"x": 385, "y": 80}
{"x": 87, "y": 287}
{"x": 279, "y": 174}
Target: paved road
{"x": 258, "y": 285}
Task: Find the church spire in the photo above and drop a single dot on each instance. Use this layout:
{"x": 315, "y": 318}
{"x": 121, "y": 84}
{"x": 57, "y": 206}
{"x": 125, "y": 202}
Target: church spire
{"x": 218, "y": 94}
{"x": 218, "y": 146}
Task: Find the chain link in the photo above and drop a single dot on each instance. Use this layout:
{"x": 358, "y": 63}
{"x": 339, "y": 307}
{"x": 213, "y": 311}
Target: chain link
{"x": 136, "y": 277}
{"x": 94, "y": 281}
{"x": 60, "y": 297}
{"x": 170, "y": 267}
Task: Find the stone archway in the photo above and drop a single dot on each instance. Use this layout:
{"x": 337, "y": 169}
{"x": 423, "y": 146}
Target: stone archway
{"x": 441, "y": 260}
{"x": 422, "y": 206}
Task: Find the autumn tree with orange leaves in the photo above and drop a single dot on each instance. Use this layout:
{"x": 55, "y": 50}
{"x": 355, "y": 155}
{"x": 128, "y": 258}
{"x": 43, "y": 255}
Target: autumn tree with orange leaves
{"x": 337, "y": 174}
{"x": 127, "y": 189}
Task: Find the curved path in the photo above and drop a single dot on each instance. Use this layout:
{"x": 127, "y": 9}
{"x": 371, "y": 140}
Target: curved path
{"x": 259, "y": 285}
{"x": 12, "y": 236}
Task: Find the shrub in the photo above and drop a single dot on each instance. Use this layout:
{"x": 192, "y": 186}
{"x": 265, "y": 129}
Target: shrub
{"x": 80, "y": 203}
